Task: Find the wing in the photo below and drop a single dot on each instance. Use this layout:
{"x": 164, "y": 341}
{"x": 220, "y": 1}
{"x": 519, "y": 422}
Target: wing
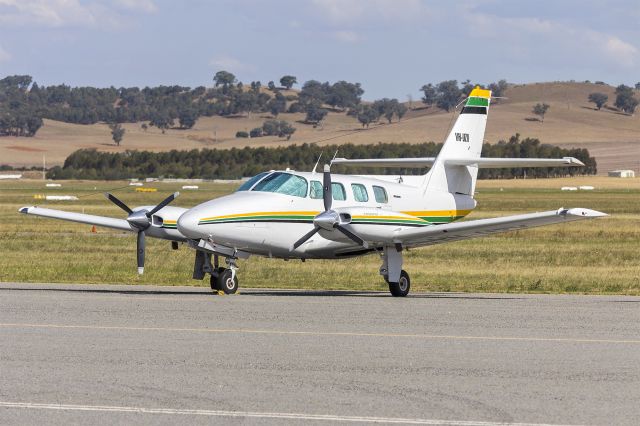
{"x": 436, "y": 234}
{"x": 108, "y": 222}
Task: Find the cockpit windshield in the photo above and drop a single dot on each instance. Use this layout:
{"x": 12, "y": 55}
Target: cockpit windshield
{"x": 283, "y": 183}
{"x": 248, "y": 184}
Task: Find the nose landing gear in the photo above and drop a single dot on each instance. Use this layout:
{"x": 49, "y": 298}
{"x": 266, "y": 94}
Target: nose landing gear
{"x": 222, "y": 279}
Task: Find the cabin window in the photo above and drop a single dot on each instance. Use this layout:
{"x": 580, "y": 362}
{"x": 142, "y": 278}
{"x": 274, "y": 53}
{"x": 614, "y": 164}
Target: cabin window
{"x": 360, "y": 192}
{"x": 315, "y": 191}
{"x": 381, "y": 194}
{"x": 338, "y": 192}
{"x": 248, "y": 184}
{"x": 283, "y": 183}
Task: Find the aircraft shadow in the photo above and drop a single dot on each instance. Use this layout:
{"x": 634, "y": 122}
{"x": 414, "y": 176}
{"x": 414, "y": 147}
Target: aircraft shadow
{"x": 267, "y": 292}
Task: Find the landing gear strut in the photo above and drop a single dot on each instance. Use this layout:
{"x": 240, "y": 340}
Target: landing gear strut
{"x": 391, "y": 270}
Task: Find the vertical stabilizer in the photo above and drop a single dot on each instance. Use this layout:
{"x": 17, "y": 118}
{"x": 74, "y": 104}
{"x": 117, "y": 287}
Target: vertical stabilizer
{"x": 464, "y": 142}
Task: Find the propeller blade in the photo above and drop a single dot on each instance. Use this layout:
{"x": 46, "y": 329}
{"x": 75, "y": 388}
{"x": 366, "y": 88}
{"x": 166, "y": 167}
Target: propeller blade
{"x": 353, "y": 237}
{"x": 327, "y": 195}
{"x": 140, "y": 246}
{"x": 118, "y": 203}
{"x": 304, "y": 238}
{"x": 164, "y": 202}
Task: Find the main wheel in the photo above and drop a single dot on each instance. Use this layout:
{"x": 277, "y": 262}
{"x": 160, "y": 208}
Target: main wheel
{"x": 227, "y": 282}
{"x": 401, "y": 288}
{"x": 215, "y": 284}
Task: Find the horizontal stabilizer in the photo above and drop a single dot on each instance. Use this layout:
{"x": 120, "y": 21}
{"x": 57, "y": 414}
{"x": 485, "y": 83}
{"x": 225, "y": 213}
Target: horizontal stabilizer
{"x": 108, "y": 222}
{"x": 482, "y": 163}
{"x": 386, "y": 162}
{"x": 496, "y": 163}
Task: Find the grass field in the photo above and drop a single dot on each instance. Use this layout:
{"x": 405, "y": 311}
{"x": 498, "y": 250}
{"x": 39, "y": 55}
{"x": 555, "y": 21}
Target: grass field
{"x": 596, "y": 256}
{"x": 613, "y": 138}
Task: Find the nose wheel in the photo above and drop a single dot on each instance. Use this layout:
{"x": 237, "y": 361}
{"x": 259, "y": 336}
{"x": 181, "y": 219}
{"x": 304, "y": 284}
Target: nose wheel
{"x": 224, "y": 279}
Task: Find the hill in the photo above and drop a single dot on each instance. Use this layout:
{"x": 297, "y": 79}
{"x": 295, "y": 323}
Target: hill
{"x": 613, "y": 138}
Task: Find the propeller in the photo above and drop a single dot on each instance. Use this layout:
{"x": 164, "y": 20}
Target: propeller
{"x": 329, "y": 219}
{"x": 141, "y": 220}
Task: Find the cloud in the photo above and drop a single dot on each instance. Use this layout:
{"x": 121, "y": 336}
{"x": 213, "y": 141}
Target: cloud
{"x": 347, "y": 36}
{"x": 65, "y": 13}
{"x": 4, "y": 55}
{"x": 569, "y": 42}
{"x": 352, "y": 11}
{"x": 620, "y": 51}
{"x": 228, "y": 63}
{"x": 54, "y": 13}
{"x": 147, "y": 6}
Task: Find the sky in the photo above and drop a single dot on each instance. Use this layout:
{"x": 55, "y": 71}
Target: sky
{"x": 392, "y": 47}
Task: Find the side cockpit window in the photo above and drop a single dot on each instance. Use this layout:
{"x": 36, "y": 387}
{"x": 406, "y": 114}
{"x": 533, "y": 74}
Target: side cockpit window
{"x": 249, "y": 184}
{"x": 283, "y": 183}
{"x": 315, "y": 191}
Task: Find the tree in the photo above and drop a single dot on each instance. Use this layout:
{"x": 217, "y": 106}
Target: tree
{"x": 498, "y": 89}
{"x": 277, "y": 104}
{"x": 162, "y": 120}
{"x": 368, "y": 114}
{"x": 224, "y": 79}
{"x": 638, "y": 85}
{"x": 315, "y": 114}
{"x": 541, "y": 110}
{"x": 144, "y": 126}
{"x": 117, "y": 132}
{"x": 401, "y": 110}
{"x": 599, "y": 99}
{"x": 343, "y": 94}
{"x": 625, "y": 101}
{"x": 288, "y": 81}
{"x": 430, "y": 94}
{"x": 271, "y": 86}
{"x": 187, "y": 117}
{"x": 448, "y": 94}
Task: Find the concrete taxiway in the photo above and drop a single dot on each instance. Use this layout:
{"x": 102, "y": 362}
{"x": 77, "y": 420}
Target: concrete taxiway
{"x": 139, "y": 355}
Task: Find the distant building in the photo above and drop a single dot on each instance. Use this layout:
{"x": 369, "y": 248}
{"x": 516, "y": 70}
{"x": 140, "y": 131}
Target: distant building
{"x": 11, "y": 176}
{"x": 622, "y": 173}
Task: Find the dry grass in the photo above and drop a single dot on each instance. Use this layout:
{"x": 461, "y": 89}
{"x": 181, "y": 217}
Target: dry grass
{"x": 596, "y": 257}
{"x": 612, "y": 137}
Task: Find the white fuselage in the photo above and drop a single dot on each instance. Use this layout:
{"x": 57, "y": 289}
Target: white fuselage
{"x": 268, "y": 223}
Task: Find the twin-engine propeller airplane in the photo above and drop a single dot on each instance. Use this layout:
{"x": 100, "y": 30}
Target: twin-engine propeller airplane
{"x": 294, "y": 215}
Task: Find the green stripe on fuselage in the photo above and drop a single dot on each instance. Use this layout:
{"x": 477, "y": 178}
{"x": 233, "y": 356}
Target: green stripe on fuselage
{"x": 477, "y": 102}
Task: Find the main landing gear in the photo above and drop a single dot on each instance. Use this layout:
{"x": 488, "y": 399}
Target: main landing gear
{"x": 391, "y": 270}
{"x": 222, "y": 279}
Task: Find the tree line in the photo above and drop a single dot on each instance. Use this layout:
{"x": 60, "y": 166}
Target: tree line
{"x": 237, "y": 163}
{"x": 24, "y": 103}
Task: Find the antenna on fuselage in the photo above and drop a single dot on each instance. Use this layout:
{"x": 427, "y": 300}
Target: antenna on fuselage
{"x": 316, "y": 166}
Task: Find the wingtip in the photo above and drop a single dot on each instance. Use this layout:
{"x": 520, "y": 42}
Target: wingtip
{"x": 586, "y": 213}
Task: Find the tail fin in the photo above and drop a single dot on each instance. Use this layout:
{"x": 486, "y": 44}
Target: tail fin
{"x": 464, "y": 142}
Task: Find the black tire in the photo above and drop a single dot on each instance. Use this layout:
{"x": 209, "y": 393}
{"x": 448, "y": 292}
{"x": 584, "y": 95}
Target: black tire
{"x": 401, "y": 288}
{"x": 226, "y": 283}
{"x": 215, "y": 284}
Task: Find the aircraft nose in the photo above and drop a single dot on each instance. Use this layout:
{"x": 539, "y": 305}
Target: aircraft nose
{"x": 188, "y": 224}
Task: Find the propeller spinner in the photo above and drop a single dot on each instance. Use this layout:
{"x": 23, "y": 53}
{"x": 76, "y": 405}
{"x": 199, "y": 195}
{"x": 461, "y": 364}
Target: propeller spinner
{"x": 141, "y": 220}
{"x": 329, "y": 219}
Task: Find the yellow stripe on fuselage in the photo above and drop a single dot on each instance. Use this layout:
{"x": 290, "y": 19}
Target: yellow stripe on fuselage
{"x": 438, "y": 213}
{"x": 232, "y": 216}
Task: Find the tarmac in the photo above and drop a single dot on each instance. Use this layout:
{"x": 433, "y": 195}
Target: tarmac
{"x": 84, "y": 354}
